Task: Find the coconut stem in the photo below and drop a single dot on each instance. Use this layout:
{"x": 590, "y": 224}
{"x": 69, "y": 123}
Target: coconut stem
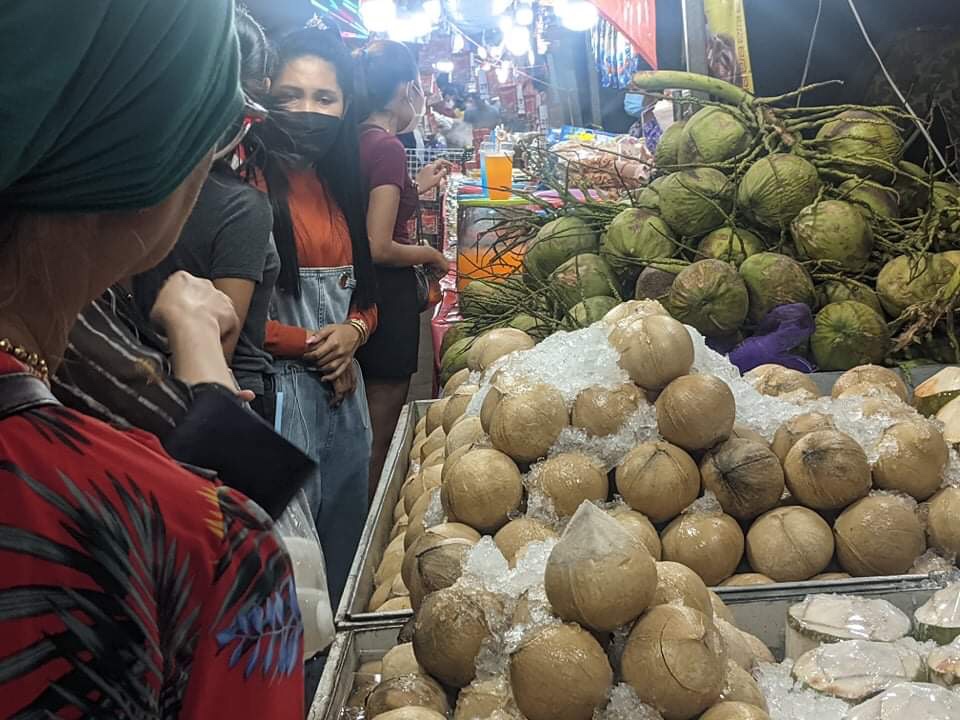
{"x": 660, "y": 80}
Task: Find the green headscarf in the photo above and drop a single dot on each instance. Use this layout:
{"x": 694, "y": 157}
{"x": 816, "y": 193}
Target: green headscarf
{"x": 110, "y": 104}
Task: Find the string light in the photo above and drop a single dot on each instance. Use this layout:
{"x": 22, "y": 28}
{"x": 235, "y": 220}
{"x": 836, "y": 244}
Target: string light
{"x": 523, "y": 16}
{"x": 578, "y": 15}
{"x": 518, "y": 41}
{"x": 378, "y": 15}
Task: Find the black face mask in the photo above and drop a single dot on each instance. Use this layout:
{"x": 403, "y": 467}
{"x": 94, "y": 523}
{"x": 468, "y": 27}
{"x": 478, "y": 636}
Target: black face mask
{"x": 297, "y": 137}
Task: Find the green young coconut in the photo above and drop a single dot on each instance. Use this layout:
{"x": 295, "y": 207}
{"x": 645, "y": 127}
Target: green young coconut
{"x": 482, "y": 297}
{"x": 581, "y": 277}
{"x": 732, "y": 245}
{"x": 694, "y": 202}
{"x": 872, "y": 199}
{"x": 849, "y": 334}
{"x": 653, "y": 284}
{"x": 945, "y": 201}
{"x": 455, "y": 358}
{"x": 905, "y": 281}
{"x": 912, "y": 185}
{"x": 633, "y": 239}
{"x": 558, "y": 241}
{"x": 834, "y": 291}
{"x": 862, "y": 143}
{"x": 710, "y": 296}
{"x": 532, "y": 326}
{"x": 712, "y": 135}
{"x": 773, "y": 280}
{"x": 669, "y": 146}
{"x": 591, "y": 310}
{"x": 649, "y": 197}
{"x": 776, "y": 188}
{"x": 834, "y": 232}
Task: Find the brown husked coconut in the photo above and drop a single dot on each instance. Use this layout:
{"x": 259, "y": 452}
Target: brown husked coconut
{"x": 827, "y": 470}
{"x": 673, "y": 659}
{"x": 598, "y": 574}
{"x": 658, "y": 479}
{"x": 421, "y": 427}
{"x": 790, "y": 544}
{"x": 943, "y": 527}
{"x": 435, "y": 414}
{"x": 743, "y": 432}
{"x": 879, "y": 535}
{"x": 601, "y": 411}
{"x": 633, "y": 310}
{"x": 457, "y": 380}
{"x": 831, "y": 576}
{"x": 747, "y": 580}
{"x": 482, "y": 698}
{"x": 416, "y": 450}
{"x": 720, "y": 609}
{"x": 438, "y": 566}
{"x": 741, "y": 647}
{"x": 517, "y": 534}
{"x": 745, "y": 476}
{"x": 569, "y": 479}
{"x": 871, "y": 375}
{"x": 797, "y": 427}
{"x": 400, "y": 660}
{"x": 434, "y": 441}
{"x": 390, "y": 562}
{"x": 415, "y": 526}
{"x": 739, "y": 686}
{"x": 913, "y": 455}
{"x": 560, "y": 673}
{"x": 399, "y": 528}
{"x": 638, "y": 524}
{"x": 494, "y": 344}
{"x": 466, "y": 431}
{"x": 679, "y": 585}
{"x": 473, "y": 353}
{"x": 457, "y": 406}
{"x": 449, "y": 629}
{"x": 782, "y": 382}
{"x": 424, "y": 482}
{"x": 490, "y": 402}
{"x": 696, "y": 412}
{"x": 399, "y": 511}
{"x": 875, "y": 393}
{"x": 363, "y": 683}
{"x": 410, "y": 713}
{"x": 406, "y": 691}
{"x": 735, "y": 711}
{"x": 654, "y": 350}
{"x": 482, "y": 489}
{"x": 433, "y": 537}
{"x": 383, "y": 592}
{"x": 395, "y": 604}
{"x": 709, "y": 543}
{"x": 526, "y": 424}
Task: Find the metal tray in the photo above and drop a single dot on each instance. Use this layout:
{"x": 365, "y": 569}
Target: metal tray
{"x": 376, "y": 533}
{"x": 350, "y": 649}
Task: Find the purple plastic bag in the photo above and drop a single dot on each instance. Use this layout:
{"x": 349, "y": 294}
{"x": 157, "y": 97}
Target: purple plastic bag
{"x": 781, "y": 331}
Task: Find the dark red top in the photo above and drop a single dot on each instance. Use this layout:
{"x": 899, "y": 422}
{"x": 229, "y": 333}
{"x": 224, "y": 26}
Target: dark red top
{"x": 383, "y": 161}
{"x": 132, "y": 588}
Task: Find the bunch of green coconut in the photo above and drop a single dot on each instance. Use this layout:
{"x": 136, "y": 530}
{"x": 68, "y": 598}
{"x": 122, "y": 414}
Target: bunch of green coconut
{"x": 758, "y": 206}
{"x": 631, "y": 458}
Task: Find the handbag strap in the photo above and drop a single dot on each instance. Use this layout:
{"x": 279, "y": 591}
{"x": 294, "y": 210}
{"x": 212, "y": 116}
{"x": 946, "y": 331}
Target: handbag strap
{"x": 20, "y": 392}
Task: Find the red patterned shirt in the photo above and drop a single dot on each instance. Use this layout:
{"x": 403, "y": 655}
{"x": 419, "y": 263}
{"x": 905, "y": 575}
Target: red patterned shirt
{"x": 131, "y": 588}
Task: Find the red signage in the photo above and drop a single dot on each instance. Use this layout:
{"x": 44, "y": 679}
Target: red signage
{"x": 637, "y": 20}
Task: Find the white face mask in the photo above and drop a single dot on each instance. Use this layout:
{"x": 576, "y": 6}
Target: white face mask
{"x": 418, "y": 113}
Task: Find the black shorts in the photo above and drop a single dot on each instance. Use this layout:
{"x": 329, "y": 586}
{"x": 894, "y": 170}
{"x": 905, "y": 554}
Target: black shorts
{"x": 392, "y": 351}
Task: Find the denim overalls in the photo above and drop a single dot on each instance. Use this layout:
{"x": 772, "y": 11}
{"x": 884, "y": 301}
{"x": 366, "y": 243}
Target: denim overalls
{"x": 337, "y": 438}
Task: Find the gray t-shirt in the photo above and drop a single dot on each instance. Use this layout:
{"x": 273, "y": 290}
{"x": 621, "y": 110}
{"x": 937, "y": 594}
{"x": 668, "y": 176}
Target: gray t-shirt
{"x": 228, "y": 235}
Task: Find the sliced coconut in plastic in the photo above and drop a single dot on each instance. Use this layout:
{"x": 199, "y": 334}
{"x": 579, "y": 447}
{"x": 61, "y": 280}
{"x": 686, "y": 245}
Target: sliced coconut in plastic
{"x": 854, "y": 670}
{"x": 939, "y": 618}
{"x": 949, "y": 415}
{"x": 937, "y": 390}
{"x": 943, "y": 664}
{"x": 909, "y": 701}
{"x": 832, "y": 618}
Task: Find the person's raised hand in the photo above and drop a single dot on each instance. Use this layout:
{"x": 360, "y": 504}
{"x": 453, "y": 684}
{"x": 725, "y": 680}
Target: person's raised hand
{"x": 433, "y": 175}
{"x": 188, "y": 300}
{"x": 437, "y": 263}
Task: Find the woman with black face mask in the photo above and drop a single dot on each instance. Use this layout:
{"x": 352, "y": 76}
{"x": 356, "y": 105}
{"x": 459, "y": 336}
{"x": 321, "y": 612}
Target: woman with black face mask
{"x": 324, "y": 307}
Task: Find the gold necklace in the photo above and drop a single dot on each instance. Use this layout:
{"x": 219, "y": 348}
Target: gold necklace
{"x": 36, "y": 364}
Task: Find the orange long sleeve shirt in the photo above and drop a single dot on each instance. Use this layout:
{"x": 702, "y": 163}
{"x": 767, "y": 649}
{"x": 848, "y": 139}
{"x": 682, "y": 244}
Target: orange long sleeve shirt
{"x": 323, "y": 240}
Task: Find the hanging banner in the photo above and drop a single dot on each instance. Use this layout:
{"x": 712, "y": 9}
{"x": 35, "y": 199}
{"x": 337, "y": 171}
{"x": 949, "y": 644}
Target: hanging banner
{"x": 728, "y": 56}
{"x": 637, "y": 20}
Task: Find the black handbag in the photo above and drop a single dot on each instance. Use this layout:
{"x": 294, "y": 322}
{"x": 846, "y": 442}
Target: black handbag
{"x": 420, "y": 273}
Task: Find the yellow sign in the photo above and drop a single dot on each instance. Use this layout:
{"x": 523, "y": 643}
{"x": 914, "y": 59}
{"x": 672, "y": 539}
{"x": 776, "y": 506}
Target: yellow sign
{"x": 728, "y": 56}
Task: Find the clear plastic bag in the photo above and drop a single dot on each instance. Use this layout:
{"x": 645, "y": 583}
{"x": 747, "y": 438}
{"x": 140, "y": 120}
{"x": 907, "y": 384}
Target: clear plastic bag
{"x": 299, "y": 534}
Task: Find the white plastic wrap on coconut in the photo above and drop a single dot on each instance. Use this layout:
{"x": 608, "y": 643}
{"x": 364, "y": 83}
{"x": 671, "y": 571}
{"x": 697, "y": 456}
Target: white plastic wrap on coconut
{"x": 854, "y": 670}
{"x": 939, "y": 618}
{"x": 832, "y": 618}
{"x": 909, "y": 701}
{"x": 943, "y": 664}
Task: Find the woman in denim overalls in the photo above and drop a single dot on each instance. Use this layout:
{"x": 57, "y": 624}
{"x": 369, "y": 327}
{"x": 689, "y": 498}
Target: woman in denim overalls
{"x": 324, "y": 308}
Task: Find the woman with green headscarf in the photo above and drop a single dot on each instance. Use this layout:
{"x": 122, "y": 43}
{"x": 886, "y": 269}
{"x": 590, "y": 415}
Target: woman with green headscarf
{"x": 130, "y": 588}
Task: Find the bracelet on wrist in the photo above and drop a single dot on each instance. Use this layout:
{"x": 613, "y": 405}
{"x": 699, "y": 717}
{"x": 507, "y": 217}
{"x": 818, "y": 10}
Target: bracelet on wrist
{"x": 361, "y": 327}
